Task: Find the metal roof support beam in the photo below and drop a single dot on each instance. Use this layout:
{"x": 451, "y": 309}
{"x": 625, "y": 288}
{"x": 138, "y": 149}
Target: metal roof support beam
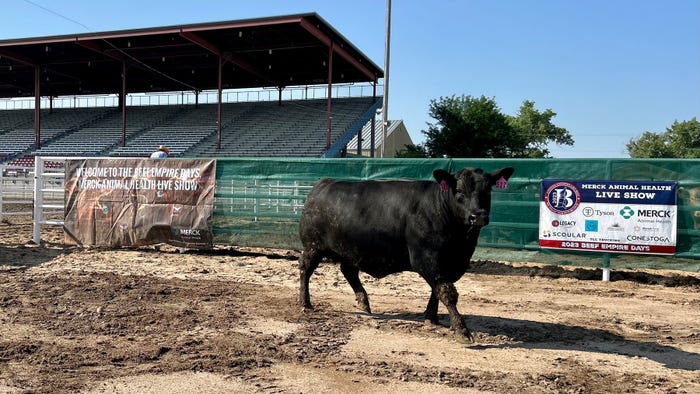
{"x": 122, "y": 103}
{"x": 20, "y": 59}
{"x": 37, "y": 107}
{"x": 372, "y": 130}
{"x": 116, "y": 54}
{"x": 37, "y": 91}
{"x": 17, "y": 57}
{"x": 341, "y": 51}
{"x": 93, "y": 46}
{"x": 229, "y": 57}
{"x": 330, "y": 101}
{"x": 218, "y": 104}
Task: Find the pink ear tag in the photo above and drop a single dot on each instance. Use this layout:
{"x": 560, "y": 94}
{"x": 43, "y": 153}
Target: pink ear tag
{"x": 501, "y": 183}
{"x": 443, "y": 185}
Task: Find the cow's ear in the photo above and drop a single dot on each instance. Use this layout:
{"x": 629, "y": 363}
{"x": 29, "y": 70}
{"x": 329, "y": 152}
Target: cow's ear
{"x": 445, "y": 178}
{"x": 504, "y": 173}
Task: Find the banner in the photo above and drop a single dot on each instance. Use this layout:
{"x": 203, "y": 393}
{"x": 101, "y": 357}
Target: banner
{"x": 609, "y": 216}
{"x": 133, "y": 202}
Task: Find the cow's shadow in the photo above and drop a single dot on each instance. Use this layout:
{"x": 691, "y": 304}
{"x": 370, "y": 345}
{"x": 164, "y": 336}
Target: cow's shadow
{"x": 528, "y": 334}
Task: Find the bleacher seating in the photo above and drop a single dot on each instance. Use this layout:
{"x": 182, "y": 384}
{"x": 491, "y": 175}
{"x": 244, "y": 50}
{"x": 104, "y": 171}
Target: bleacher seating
{"x": 53, "y": 124}
{"x": 21, "y": 118}
{"x": 184, "y": 128}
{"x": 295, "y": 128}
{"x": 105, "y": 134}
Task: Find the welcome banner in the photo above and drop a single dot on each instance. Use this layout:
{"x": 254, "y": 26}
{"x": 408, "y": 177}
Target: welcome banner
{"x": 134, "y": 202}
{"x": 609, "y": 216}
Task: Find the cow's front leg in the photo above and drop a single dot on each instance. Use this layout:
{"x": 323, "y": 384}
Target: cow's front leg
{"x": 448, "y": 296}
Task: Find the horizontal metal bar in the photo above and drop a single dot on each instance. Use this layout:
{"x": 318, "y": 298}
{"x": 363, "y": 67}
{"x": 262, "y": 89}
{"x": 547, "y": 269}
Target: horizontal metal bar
{"x": 236, "y": 230}
{"x": 53, "y": 222}
{"x": 514, "y": 225}
{"x": 258, "y": 215}
{"x": 51, "y": 175}
{"x": 259, "y": 196}
{"x": 56, "y": 206}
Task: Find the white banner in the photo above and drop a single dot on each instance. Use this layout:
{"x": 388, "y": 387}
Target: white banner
{"x": 609, "y": 216}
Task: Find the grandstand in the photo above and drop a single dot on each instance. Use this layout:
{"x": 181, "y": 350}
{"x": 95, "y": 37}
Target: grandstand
{"x": 277, "y": 54}
{"x": 294, "y": 128}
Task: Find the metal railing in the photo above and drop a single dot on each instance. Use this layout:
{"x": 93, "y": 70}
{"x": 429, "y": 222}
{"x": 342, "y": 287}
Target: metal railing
{"x": 48, "y": 193}
{"x": 16, "y": 191}
{"x": 204, "y": 97}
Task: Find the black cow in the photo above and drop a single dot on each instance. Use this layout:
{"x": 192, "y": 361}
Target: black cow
{"x": 385, "y": 227}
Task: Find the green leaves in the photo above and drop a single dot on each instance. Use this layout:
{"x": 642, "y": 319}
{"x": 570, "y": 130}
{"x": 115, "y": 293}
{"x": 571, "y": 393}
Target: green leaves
{"x": 681, "y": 140}
{"x": 475, "y": 127}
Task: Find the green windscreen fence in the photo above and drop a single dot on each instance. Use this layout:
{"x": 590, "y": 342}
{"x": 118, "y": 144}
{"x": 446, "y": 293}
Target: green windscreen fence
{"x": 258, "y": 202}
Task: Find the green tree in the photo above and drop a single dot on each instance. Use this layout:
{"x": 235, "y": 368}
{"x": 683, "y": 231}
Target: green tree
{"x": 475, "y": 127}
{"x": 681, "y": 140}
{"x": 534, "y": 130}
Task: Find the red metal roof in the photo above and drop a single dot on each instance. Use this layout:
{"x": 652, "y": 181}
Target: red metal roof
{"x": 281, "y": 51}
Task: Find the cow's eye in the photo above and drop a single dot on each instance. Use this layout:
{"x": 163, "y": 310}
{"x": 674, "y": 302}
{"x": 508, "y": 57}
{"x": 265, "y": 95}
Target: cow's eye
{"x": 460, "y": 197}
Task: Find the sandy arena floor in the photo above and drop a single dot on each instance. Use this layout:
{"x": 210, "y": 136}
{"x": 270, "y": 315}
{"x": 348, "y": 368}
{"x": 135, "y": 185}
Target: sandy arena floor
{"x": 147, "y": 321}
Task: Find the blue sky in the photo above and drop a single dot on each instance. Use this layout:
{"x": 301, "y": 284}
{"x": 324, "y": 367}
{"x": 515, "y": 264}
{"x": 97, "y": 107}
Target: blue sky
{"x": 609, "y": 69}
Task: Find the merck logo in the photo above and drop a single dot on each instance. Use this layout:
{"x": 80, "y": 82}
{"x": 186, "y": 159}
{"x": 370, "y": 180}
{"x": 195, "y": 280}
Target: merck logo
{"x": 627, "y": 212}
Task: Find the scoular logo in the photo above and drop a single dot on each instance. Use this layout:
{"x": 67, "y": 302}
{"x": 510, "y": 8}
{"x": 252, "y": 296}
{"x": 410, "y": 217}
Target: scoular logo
{"x": 562, "y": 198}
{"x": 627, "y": 212}
{"x": 562, "y": 234}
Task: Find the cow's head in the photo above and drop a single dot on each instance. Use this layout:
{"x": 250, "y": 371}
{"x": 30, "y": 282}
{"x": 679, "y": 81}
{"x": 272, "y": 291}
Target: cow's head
{"x": 471, "y": 189}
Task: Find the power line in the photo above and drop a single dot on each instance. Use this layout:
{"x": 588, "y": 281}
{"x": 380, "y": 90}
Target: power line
{"x": 144, "y": 65}
{"x": 58, "y": 14}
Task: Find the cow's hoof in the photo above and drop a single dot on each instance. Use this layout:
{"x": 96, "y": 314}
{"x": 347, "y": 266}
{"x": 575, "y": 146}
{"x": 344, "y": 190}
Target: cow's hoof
{"x": 363, "y": 303}
{"x": 465, "y": 335}
{"x": 306, "y": 308}
{"x": 364, "y": 308}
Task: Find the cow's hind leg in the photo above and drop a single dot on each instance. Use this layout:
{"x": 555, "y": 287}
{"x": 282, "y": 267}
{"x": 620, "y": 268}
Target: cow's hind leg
{"x": 352, "y": 275}
{"x": 431, "y": 311}
{"x": 448, "y": 295}
{"x": 308, "y": 262}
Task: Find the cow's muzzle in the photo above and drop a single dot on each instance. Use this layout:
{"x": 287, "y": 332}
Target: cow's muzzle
{"x": 478, "y": 220}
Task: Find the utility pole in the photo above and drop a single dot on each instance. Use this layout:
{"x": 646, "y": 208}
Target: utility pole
{"x": 385, "y": 99}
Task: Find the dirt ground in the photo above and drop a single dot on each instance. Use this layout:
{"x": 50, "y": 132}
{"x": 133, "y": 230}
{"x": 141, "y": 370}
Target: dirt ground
{"x": 225, "y": 321}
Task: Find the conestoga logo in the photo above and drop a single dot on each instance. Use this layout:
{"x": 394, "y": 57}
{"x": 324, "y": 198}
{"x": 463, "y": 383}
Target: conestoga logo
{"x": 562, "y": 198}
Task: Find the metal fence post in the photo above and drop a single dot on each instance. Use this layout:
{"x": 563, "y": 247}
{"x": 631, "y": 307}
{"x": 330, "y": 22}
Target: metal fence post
{"x": 38, "y": 200}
